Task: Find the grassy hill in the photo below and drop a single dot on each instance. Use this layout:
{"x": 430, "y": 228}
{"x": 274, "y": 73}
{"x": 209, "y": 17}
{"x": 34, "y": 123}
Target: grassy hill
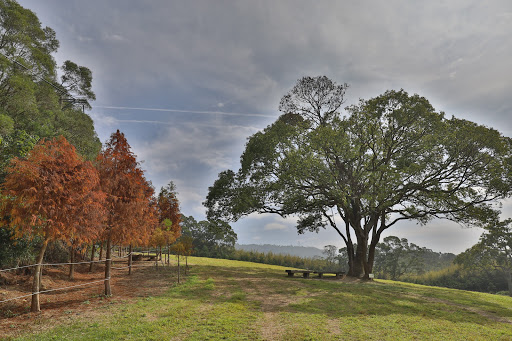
{"x": 301, "y": 251}
{"x": 246, "y": 301}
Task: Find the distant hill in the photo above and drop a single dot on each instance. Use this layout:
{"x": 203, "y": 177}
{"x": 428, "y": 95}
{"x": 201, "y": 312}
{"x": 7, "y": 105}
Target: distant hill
{"x": 301, "y": 251}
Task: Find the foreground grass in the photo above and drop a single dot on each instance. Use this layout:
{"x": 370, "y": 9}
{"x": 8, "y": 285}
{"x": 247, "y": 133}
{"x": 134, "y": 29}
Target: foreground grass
{"x": 234, "y": 300}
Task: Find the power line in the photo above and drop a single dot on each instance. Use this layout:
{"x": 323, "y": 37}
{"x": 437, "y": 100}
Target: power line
{"x": 183, "y": 111}
{"x": 64, "y": 96}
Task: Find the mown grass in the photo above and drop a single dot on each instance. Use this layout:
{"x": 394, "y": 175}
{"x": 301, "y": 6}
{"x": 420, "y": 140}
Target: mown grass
{"x": 235, "y": 300}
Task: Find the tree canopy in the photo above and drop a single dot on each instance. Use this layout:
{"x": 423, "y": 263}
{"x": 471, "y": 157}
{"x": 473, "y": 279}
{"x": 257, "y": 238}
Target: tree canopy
{"x": 31, "y": 100}
{"x": 492, "y": 252}
{"x": 169, "y": 212}
{"x": 391, "y": 158}
{"x": 209, "y": 238}
{"x": 132, "y": 212}
{"x": 54, "y": 195}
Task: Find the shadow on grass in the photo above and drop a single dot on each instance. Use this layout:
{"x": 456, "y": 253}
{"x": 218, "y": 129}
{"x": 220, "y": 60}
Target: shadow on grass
{"x": 336, "y": 299}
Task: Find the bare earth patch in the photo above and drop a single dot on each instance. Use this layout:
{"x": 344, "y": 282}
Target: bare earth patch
{"x": 76, "y": 303}
{"x": 273, "y": 298}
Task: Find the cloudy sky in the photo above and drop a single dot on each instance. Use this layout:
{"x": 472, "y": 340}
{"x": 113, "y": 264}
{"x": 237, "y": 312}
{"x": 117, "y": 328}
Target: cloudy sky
{"x": 189, "y": 81}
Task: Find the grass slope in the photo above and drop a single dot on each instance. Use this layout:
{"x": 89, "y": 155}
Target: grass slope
{"x": 246, "y": 301}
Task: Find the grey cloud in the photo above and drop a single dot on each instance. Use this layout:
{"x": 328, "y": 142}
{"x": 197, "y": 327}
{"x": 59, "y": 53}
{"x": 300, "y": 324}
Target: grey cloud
{"x": 195, "y": 55}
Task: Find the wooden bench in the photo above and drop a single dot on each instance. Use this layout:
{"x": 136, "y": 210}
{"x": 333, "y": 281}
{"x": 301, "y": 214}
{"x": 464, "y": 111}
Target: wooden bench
{"x": 339, "y": 274}
{"x": 305, "y": 273}
{"x": 140, "y": 257}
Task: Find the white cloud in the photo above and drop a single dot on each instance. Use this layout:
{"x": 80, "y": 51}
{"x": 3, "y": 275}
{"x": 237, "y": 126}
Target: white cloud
{"x": 103, "y": 120}
{"x": 113, "y": 37}
{"x": 275, "y": 226}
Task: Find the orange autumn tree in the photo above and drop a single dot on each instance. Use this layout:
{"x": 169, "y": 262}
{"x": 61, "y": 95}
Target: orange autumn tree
{"x": 170, "y": 215}
{"x": 131, "y": 211}
{"x": 52, "y": 194}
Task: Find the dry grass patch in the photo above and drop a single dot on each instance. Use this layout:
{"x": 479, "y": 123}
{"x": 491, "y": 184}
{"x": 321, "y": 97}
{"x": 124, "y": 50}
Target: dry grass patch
{"x": 81, "y": 303}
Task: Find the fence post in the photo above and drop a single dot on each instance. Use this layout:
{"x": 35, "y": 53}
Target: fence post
{"x": 92, "y": 256}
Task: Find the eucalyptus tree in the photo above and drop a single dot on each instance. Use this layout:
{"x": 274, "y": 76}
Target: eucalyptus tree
{"x": 31, "y": 98}
{"x": 492, "y": 252}
{"x": 396, "y": 257}
{"x": 209, "y": 238}
{"x": 391, "y": 158}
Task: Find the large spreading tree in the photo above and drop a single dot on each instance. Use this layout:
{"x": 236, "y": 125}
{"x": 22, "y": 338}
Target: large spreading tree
{"x": 391, "y": 158}
{"x": 131, "y": 209}
{"x": 52, "y": 194}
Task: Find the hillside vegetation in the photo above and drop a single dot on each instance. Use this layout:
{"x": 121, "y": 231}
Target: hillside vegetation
{"x": 300, "y": 251}
{"x": 236, "y": 300}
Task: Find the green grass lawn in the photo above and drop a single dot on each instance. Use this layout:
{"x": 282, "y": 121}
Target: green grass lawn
{"x": 234, "y": 300}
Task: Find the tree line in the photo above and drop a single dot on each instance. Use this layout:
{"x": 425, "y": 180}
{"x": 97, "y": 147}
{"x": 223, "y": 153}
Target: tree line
{"x": 59, "y": 184}
{"x": 53, "y": 194}
{"x": 486, "y": 266}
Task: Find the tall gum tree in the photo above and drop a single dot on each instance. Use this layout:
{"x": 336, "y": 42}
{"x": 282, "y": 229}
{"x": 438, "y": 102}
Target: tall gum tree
{"x": 52, "y": 194}
{"x": 392, "y": 158}
{"x": 33, "y": 105}
{"x": 131, "y": 209}
{"x": 493, "y": 251}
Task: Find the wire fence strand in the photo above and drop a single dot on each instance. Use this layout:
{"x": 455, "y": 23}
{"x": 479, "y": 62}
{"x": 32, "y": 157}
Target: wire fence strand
{"x": 69, "y": 287}
{"x": 68, "y": 263}
{"x": 72, "y": 286}
{"x": 53, "y": 264}
{"x": 57, "y": 289}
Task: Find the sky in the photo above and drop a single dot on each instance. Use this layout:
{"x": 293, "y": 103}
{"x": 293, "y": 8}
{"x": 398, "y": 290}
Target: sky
{"x": 189, "y": 81}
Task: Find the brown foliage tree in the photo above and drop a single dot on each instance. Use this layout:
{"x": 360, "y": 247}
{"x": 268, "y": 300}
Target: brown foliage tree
{"x": 131, "y": 210}
{"x": 170, "y": 215}
{"x": 52, "y": 194}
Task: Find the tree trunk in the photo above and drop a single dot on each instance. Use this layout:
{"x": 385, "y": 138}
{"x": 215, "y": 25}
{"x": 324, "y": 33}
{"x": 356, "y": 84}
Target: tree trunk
{"x": 130, "y": 260}
{"x": 71, "y": 262}
{"x": 371, "y": 254}
{"x": 360, "y": 258}
{"x": 36, "y": 283}
{"x": 92, "y": 257}
{"x": 101, "y": 250}
{"x": 351, "y": 256}
{"x": 178, "y": 269}
{"x": 108, "y": 265}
